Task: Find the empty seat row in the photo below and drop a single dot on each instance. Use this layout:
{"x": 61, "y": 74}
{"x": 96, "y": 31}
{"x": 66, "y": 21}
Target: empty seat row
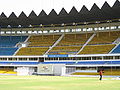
{"x": 97, "y": 49}
{"x": 116, "y": 50}
{"x": 8, "y": 51}
{"x": 32, "y": 51}
{"x": 43, "y": 40}
{"x": 11, "y": 41}
{"x": 105, "y": 37}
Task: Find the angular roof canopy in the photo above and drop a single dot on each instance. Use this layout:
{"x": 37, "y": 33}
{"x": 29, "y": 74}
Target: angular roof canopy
{"x": 13, "y": 20}
{"x": 22, "y": 15}
{"x": 53, "y": 13}
{"x": 12, "y": 15}
{"x": 23, "y": 19}
{"x": 116, "y": 9}
{"x": 105, "y": 6}
{"x": 42, "y": 13}
{"x": 84, "y": 15}
{"x": 63, "y": 12}
{"x": 116, "y": 4}
{"x": 3, "y": 20}
{"x": 32, "y": 14}
{"x": 73, "y": 11}
{"x": 95, "y": 14}
{"x": 84, "y": 10}
{"x": 107, "y": 11}
{"x": 94, "y": 8}
{"x": 3, "y": 15}
{"x": 33, "y": 19}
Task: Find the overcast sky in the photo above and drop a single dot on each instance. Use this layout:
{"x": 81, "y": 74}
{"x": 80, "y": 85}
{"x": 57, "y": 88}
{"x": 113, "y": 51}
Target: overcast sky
{"x": 8, "y": 6}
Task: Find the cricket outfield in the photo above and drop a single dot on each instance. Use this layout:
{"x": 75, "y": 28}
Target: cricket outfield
{"x": 57, "y": 83}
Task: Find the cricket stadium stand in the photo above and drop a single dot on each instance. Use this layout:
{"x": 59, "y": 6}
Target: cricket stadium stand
{"x": 74, "y": 43}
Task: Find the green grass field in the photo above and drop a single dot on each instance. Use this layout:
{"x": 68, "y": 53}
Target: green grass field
{"x": 57, "y": 83}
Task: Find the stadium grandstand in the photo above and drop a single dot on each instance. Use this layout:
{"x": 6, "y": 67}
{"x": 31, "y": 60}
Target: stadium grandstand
{"x": 76, "y": 43}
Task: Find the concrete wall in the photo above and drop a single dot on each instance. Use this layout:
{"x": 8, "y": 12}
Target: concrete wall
{"x": 51, "y": 69}
{"x": 23, "y": 71}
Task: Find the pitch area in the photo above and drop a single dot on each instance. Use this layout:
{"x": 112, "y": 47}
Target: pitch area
{"x": 57, "y": 83}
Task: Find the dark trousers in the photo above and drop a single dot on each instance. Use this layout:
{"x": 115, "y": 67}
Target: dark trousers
{"x": 100, "y": 77}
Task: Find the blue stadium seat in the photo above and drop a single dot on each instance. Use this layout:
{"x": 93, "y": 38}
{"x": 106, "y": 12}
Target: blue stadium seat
{"x": 11, "y": 41}
{"x": 7, "y": 44}
{"x": 8, "y": 51}
{"x": 116, "y": 50}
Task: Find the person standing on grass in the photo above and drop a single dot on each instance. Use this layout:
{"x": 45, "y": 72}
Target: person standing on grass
{"x": 100, "y": 73}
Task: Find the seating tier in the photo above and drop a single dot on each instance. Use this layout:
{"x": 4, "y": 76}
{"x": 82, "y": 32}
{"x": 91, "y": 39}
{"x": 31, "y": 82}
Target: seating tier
{"x": 32, "y": 51}
{"x": 97, "y": 49}
{"x": 105, "y": 37}
{"x": 116, "y": 50}
{"x": 43, "y": 40}
{"x": 65, "y": 50}
{"x": 74, "y": 39}
{"x": 11, "y": 41}
{"x": 7, "y": 51}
